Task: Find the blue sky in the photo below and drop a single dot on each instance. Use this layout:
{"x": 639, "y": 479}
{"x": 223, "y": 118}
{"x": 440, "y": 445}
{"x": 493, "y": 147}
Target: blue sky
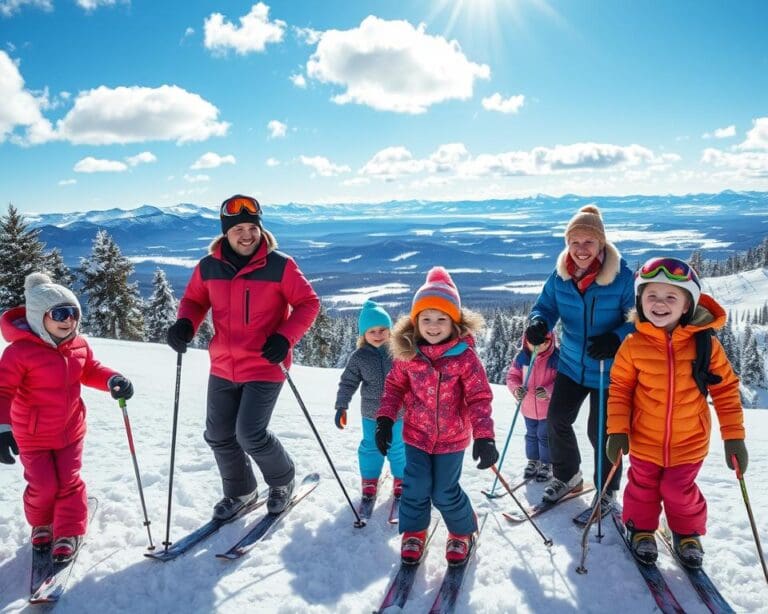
{"x": 119, "y": 103}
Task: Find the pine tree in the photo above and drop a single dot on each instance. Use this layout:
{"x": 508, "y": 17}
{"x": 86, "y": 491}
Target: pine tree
{"x": 21, "y": 253}
{"x": 160, "y": 310}
{"x": 728, "y": 341}
{"x": 56, "y": 268}
{"x": 752, "y": 366}
{"x": 114, "y": 305}
{"x": 314, "y": 349}
{"x": 495, "y": 356}
{"x": 204, "y": 333}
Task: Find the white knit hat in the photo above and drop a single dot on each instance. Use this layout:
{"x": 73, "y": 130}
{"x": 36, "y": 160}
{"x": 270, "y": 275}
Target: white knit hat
{"x": 41, "y": 295}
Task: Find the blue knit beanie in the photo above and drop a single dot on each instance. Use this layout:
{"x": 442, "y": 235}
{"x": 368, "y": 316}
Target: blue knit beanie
{"x": 372, "y": 314}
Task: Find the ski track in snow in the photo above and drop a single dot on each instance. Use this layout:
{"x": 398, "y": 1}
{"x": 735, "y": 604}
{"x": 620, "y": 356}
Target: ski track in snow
{"x": 316, "y": 561}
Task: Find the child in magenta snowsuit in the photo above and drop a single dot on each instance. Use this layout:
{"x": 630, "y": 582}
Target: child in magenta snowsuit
{"x": 438, "y": 377}
{"x": 534, "y": 399}
{"x": 42, "y": 417}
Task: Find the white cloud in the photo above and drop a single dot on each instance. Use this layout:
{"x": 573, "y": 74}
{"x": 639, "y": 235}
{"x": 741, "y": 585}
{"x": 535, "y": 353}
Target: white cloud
{"x": 105, "y": 116}
{"x": 66, "y": 182}
{"x": 720, "y": 133}
{"x": 272, "y": 162}
{"x": 19, "y": 107}
{"x": 392, "y": 66}
{"x": 308, "y": 35}
{"x": 212, "y": 160}
{"x": 393, "y": 162}
{"x": 92, "y": 5}
{"x": 189, "y": 32}
{"x": 746, "y": 163}
{"x": 757, "y": 138}
{"x": 95, "y": 165}
{"x": 298, "y": 81}
{"x": 145, "y": 157}
{"x": 276, "y": 129}
{"x": 356, "y": 181}
{"x": 448, "y": 157}
{"x": 254, "y": 33}
{"x": 9, "y": 7}
{"x": 196, "y": 178}
{"x": 496, "y": 103}
{"x": 323, "y": 166}
{"x": 591, "y": 156}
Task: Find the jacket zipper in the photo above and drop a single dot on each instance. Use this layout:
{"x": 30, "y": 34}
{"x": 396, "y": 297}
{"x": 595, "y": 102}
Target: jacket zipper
{"x": 670, "y": 396}
{"x": 437, "y": 408}
{"x": 247, "y": 304}
{"x": 584, "y": 338}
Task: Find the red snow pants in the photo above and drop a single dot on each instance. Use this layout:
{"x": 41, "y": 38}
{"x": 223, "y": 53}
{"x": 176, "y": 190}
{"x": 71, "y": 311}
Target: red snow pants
{"x": 649, "y": 485}
{"x": 55, "y": 493}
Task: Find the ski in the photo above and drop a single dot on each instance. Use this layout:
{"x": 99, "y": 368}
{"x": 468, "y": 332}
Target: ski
{"x": 394, "y": 511}
{"x": 365, "y": 508}
{"x": 269, "y": 521}
{"x": 699, "y": 579}
{"x": 445, "y": 600}
{"x": 400, "y": 586}
{"x": 51, "y": 587}
{"x": 582, "y": 518}
{"x": 545, "y": 506}
{"x": 209, "y": 528}
{"x": 653, "y": 577}
{"x": 503, "y": 493}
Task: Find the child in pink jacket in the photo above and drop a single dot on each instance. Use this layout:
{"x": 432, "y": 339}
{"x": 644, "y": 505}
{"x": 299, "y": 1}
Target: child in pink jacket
{"x": 439, "y": 379}
{"x": 534, "y": 399}
{"x": 42, "y": 417}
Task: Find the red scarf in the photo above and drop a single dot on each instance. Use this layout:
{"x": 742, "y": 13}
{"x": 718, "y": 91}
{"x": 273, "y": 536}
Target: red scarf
{"x": 584, "y": 277}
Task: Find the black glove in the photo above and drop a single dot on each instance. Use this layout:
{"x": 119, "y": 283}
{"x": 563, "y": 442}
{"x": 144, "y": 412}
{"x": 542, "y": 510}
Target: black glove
{"x": 616, "y": 442}
{"x": 341, "y": 418}
{"x": 603, "y": 346}
{"x": 384, "y": 433}
{"x": 485, "y": 449}
{"x": 8, "y": 445}
{"x": 120, "y": 387}
{"x": 733, "y": 447}
{"x": 275, "y": 348}
{"x": 180, "y": 333}
{"x": 536, "y": 333}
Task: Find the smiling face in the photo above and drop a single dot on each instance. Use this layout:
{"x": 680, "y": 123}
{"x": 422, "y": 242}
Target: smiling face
{"x": 435, "y": 326}
{"x": 583, "y": 247}
{"x": 664, "y": 304}
{"x": 244, "y": 238}
{"x": 377, "y": 335}
{"x": 59, "y": 331}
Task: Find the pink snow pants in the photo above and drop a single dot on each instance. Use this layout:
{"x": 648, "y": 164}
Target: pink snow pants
{"x": 55, "y": 493}
{"x": 649, "y": 485}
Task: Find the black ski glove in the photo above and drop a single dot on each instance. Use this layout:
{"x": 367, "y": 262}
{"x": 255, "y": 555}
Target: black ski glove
{"x": 736, "y": 447}
{"x": 603, "y": 346}
{"x": 180, "y": 333}
{"x": 616, "y": 442}
{"x": 341, "y": 418}
{"x": 485, "y": 450}
{"x": 275, "y": 348}
{"x": 384, "y": 433}
{"x": 536, "y": 333}
{"x": 120, "y": 387}
{"x": 8, "y": 445}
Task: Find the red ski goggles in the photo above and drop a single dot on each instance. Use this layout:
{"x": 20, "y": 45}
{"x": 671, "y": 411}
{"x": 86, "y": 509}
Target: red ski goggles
{"x": 673, "y": 269}
{"x": 62, "y": 313}
{"x": 240, "y": 204}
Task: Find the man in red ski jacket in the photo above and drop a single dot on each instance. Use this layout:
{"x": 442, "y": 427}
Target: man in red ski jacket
{"x": 262, "y": 305}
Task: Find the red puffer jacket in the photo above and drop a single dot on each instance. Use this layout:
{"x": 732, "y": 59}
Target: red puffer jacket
{"x": 40, "y": 385}
{"x": 269, "y": 295}
{"x": 446, "y": 396}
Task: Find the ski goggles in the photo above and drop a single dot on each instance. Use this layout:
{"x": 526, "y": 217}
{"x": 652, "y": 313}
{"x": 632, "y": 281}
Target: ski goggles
{"x": 240, "y": 204}
{"x": 673, "y": 269}
{"x": 62, "y": 313}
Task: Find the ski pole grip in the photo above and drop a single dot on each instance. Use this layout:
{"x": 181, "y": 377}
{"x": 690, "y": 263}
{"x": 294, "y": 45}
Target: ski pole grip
{"x": 736, "y": 467}
{"x": 121, "y": 403}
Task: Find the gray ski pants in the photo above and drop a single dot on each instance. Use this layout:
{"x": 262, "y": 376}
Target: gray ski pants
{"x": 236, "y": 427}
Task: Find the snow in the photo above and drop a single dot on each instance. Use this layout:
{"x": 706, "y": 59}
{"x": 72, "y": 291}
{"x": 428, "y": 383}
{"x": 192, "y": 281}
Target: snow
{"x": 316, "y": 561}
{"x": 741, "y": 291}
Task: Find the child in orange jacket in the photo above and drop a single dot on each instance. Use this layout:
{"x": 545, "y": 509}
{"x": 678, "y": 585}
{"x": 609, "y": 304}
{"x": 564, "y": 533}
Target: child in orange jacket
{"x": 658, "y": 414}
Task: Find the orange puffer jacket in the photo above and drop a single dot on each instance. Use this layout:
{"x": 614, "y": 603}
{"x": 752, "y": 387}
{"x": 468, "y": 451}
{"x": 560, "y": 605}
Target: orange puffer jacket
{"x": 654, "y": 399}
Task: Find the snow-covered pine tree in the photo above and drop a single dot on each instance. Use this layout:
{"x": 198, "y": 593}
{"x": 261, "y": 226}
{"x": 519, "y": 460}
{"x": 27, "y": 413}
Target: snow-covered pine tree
{"x": 314, "y": 349}
{"x": 752, "y": 365}
{"x": 160, "y": 310}
{"x": 204, "y": 333}
{"x": 728, "y": 341}
{"x": 56, "y": 268}
{"x": 114, "y": 306}
{"x": 21, "y": 253}
{"x": 495, "y": 357}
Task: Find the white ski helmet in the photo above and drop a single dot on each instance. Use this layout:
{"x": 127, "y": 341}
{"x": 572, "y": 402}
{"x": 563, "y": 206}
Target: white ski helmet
{"x": 668, "y": 270}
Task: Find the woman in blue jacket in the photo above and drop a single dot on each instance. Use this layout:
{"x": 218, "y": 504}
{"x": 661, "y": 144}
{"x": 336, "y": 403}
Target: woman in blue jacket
{"x": 590, "y": 291}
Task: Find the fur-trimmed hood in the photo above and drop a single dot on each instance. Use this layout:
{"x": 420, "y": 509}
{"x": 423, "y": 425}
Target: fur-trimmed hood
{"x": 608, "y": 272}
{"x": 403, "y": 344}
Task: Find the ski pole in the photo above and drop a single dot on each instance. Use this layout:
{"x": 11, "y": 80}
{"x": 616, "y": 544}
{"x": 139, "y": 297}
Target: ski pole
{"x": 547, "y": 541}
{"x": 359, "y": 522}
{"x": 129, "y": 433}
{"x": 600, "y": 450}
{"x": 596, "y": 512}
{"x": 167, "y": 541}
{"x": 745, "y": 496}
{"x": 491, "y": 494}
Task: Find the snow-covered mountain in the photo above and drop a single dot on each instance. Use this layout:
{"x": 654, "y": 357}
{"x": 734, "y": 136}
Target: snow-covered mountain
{"x": 491, "y": 246}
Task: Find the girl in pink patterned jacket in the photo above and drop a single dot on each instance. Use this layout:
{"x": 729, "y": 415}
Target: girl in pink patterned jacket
{"x": 534, "y": 401}
{"x": 439, "y": 379}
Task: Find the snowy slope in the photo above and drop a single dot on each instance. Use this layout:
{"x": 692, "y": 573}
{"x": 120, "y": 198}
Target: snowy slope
{"x": 317, "y": 562}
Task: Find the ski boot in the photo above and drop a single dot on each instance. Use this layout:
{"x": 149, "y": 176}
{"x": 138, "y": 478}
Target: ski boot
{"x": 412, "y": 546}
{"x": 65, "y": 548}
{"x": 42, "y": 537}
{"x": 531, "y": 469}
{"x": 458, "y": 548}
{"x": 642, "y": 544}
{"x": 397, "y": 488}
{"x": 229, "y": 506}
{"x": 688, "y": 549}
{"x": 279, "y": 497}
